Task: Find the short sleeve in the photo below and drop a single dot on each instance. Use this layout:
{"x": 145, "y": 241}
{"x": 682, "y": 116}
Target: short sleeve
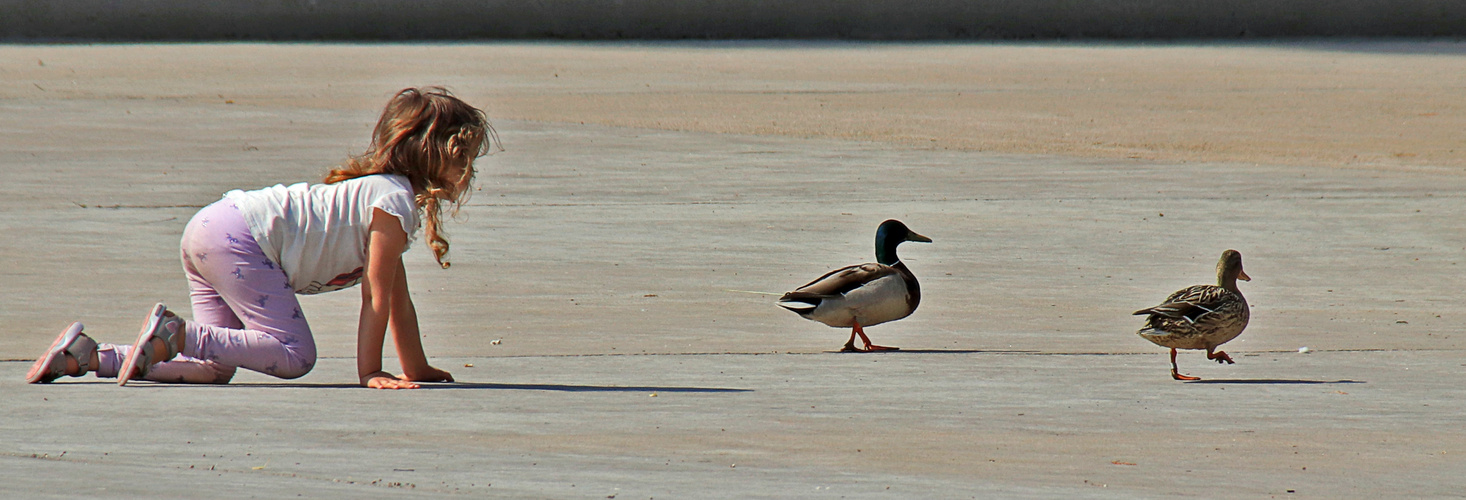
{"x": 400, "y": 204}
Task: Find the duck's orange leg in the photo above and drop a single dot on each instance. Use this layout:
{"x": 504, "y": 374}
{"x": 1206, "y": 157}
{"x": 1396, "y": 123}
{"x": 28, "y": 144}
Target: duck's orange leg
{"x": 850, "y": 344}
{"x": 1220, "y": 357}
{"x": 1176, "y": 374}
{"x": 868, "y": 346}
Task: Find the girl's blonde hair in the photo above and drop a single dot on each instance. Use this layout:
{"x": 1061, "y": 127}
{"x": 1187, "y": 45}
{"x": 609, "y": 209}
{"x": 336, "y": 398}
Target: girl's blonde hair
{"x": 422, "y": 135}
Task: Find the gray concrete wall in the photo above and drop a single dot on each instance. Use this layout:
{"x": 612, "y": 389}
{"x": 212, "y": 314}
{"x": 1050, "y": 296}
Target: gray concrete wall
{"x": 63, "y": 20}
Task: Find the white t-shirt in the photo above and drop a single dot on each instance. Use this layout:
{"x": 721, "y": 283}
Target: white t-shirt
{"x": 318, "y": 233}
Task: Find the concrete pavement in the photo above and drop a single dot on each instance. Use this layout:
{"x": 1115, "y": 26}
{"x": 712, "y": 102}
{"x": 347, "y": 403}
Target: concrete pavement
{"x": 615, "y": 262}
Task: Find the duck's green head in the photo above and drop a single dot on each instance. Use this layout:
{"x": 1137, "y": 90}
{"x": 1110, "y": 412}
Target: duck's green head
{"x": 890, "y": 234}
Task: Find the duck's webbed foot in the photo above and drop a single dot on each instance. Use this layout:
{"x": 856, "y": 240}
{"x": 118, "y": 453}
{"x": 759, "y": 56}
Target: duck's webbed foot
{"x": 850, "y": 347}
{"x": 1220, "y": 357}
{"x": 869, "y": 346}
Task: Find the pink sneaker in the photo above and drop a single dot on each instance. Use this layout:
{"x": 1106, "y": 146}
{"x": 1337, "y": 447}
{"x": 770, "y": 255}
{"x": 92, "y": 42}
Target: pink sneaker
{"x": 161, "y": 323}
{"x": 52, "y": 364}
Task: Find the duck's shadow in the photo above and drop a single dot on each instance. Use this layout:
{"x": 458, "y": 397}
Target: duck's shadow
{"x": 1272, "y": 381}
{"x": 937, "y": 351}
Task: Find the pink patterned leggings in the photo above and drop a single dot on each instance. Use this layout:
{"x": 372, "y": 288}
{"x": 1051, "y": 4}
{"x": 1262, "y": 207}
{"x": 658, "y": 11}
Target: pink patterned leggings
{"x": 245, "y": 314}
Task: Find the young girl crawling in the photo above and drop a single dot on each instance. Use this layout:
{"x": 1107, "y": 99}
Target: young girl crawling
{"x": 247, "y": 256}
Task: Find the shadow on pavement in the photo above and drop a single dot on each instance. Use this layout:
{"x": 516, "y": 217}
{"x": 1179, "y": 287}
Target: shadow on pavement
{"x": 936, "y": 351}
{"x": 577, "y": 388}
{"x": 1273, "y": 381}
{"x": 454, "y": 385}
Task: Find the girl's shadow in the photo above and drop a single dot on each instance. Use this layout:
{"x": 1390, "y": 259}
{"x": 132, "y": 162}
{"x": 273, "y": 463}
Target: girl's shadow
{"x": 465, "y": 385}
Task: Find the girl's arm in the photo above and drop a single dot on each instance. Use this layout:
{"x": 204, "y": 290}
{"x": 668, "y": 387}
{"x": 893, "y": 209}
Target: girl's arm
{"x": 407, "y": 336}
{"x": 384, "y": 263}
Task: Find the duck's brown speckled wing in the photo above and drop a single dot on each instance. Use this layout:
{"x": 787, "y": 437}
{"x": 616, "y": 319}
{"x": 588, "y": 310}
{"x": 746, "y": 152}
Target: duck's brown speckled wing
{"x": 1191, "y": 304}
{"x": 1208, "y": 313}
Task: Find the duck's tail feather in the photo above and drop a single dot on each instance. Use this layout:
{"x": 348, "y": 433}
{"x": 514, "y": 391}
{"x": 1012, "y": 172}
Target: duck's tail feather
{"x": 1153, "y": 332}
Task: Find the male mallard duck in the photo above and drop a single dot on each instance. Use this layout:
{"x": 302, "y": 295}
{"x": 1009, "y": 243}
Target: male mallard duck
{"x": 863, "y": 295}
{"x": 1201, "y": 316}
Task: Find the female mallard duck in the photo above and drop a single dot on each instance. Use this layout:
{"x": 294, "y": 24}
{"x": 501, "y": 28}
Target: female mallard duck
{"x": 863, "y": 295}
{"x": 1201, "y": 316}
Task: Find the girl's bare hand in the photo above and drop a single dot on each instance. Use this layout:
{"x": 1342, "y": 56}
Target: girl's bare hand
{"x": 384, "y": 380}
{"x": 428, "y": 374}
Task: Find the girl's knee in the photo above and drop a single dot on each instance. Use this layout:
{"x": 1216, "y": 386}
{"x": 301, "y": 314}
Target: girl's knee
{"x": 299, "y": 359}
{"x": 296, "y": 367}
{"x": 222, "y": 374}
